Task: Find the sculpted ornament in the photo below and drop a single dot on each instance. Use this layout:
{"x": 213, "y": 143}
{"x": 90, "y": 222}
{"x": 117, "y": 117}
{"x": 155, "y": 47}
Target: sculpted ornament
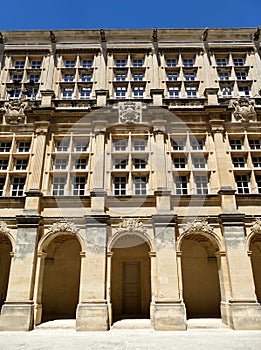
{"x": 198, "y": 226}
{"x": 63, "y": 226}
{"x": 3, "y": 228}
{"x": 130, "y": 225}
{"x": 14, "y": 111}
{"x": 244, "y": 110}
{"x": 130, "y": 112}
{"x": 256, "y": 227}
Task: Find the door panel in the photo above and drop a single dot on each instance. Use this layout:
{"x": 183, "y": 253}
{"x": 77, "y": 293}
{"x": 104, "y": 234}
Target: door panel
{"x": 131, "y": 291}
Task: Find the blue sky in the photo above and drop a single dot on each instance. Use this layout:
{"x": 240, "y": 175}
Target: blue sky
{"x": 113, "y": 14}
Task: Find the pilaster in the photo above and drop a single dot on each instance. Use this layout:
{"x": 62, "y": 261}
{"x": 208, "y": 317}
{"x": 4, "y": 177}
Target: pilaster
{"x": 168, "y": 310}
{"x": 18, "y": 310}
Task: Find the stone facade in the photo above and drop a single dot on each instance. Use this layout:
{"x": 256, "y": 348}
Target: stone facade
{"x": 130, "y": 177}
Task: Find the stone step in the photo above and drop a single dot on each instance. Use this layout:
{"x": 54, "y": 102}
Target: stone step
{"x": 57, "y": 324}
{"x": 132, "y": 324}
{"x": 213, "y": 323}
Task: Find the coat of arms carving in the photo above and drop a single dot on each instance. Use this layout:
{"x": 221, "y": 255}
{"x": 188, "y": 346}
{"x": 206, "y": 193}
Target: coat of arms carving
{"x": 14, "y": 111}
{"x": 244, "y": 110}
{"x": 130, "y": 112}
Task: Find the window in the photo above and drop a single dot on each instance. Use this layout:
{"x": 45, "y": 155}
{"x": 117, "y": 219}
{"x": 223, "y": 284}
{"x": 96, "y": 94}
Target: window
{"x": 14, "y": 93}
{"x": 244, "y": 90}
{"x": 61, "y": 146}
{"x": 86, "y": 77}
{"x": 239, "y": 62}
{"x": 201, "y": 182}
{"x": 188, "y": 62}
{"x": 178, "y": 145}
{"x": 81, "y": 146}
{"x": 19, "y": 64}
{"x": 236, "y": 144}
{"x": 59, "y": 185}
{"x": 87, "y": 63}
{"x": 17, "y": 78}
{"x": 181, "y": 185}
{"x": 256, "y": 162}
{"x": 23, "y": 146}
{"x": 33, "y": 78}
{"x": 68, "y": 77}
{"x": 191, "y": 92}
{"x": 137, "y": 62}
{"x": 120, "y": 163}
{"x": 138, "y": 91}
{"x": 5, "y": 147}
{"x": 80, "y": 163}
{"x": 139, "y": 145}
{"x": 120, "y": 92}
{"x": 2, "y": 185}
{"x": 120, "y": 145}
{"x": 171, "y": 62}
{"x": 20, "y": 164}
{"x": 221, "y": 62}
{"x": 3, "y": 164}
{"x": 69, "y": 63}
{"x": 67, "y": 93}
{"x": 190, "y": 76}
{"x": 137, "y": 76}
{"x": 239, "y": 162}
{"x": 140, "y": 185}
{"x": 120, "y": 185}
{"x": 254, "y": 144}
{"x": 226, "y": 91}
{"x": 36, "y": 64}
{"x": 173, "y": 92}
{"x": 120, "y": 62}
{"x": 84, "y": 93}
{"x": 180, "y": 162}
{"x": 224, "y": 75}
{"x": 17, "y": 186}
{"x": 241, "y": 75}
{"x": 60, "y": 163}
{"x": 139, "y": 163}
{"x": 199, "y": 162}
{"x": 172, "y": 76}
{"x": 79, "y": 185}
{"x": 197, "y": 144}
{"x": 258, "y": 183}
{"x": 120, "y": 76}
{"x": 242, "y": 182}
{"x": 31, "y": 93}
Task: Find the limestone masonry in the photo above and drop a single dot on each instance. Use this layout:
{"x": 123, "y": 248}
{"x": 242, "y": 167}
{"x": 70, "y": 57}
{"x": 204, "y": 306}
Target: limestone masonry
{"x": 130, "y": 177}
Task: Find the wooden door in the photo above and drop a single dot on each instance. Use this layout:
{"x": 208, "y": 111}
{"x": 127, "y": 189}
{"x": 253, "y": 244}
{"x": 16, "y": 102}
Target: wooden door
{"x": 131, "y": 288}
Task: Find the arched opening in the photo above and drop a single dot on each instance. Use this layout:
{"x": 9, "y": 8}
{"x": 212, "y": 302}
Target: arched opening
{"x": 61, "y": 278}
{"x": 255, "y": 248}
{"x": 5, "y": 261}
{"x": 130, "y": 278}
{"x": 201, "y": 288}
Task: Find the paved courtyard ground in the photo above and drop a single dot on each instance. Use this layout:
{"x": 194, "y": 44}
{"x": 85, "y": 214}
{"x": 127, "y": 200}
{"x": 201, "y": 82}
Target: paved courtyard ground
{"x": 52, "y": 337}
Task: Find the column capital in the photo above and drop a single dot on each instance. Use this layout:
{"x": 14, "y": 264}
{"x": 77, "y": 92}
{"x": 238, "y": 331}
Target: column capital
{"x": 232, "y": 219}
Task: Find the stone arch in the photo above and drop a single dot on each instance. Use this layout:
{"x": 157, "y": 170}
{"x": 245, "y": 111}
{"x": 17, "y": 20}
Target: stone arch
{"x": 198, "y": 246}
{"x": 6, "y": 249}
{"x": 254, "y": 246}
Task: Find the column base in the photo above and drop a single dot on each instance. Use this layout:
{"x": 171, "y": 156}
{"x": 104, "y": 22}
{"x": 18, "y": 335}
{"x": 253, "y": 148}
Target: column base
{"x": 17, "y": 316}
{"x": 168, "y": 316}
{"x": 244, "y": 315}
{"x": 92, "y": 316}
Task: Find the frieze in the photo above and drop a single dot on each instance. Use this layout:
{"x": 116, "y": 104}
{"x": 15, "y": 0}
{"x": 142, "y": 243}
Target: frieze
{"x": 198, "y": 226}
{"x": 244, "y": 110}
{"x": 63, "y": 226}
{"x": 130, "y": 225}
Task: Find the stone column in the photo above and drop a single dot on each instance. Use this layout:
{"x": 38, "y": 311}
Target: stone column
{"x": 244, "y": 312}
{"x": 38, "y": 288}
{"x": 18, "y": 311}
{"x": 33, "y": 192}
{"x": 227, "y": 191}
{"x": 108, "y": 286}
{"x": 168, "y": 309}
{"x": 92, "y": 310}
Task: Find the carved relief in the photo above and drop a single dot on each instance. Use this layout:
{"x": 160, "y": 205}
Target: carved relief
{"x": 130, "y": 225}
{"x": 244, "y": 110}
{"x": 198, "y": 226}
{"x": 63, "y": 226}
{"x": 14, "y": 111}
{"x": 256, "y": 226}
{"x": 130, "y": 112}
{"x": 4, "y": 228}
